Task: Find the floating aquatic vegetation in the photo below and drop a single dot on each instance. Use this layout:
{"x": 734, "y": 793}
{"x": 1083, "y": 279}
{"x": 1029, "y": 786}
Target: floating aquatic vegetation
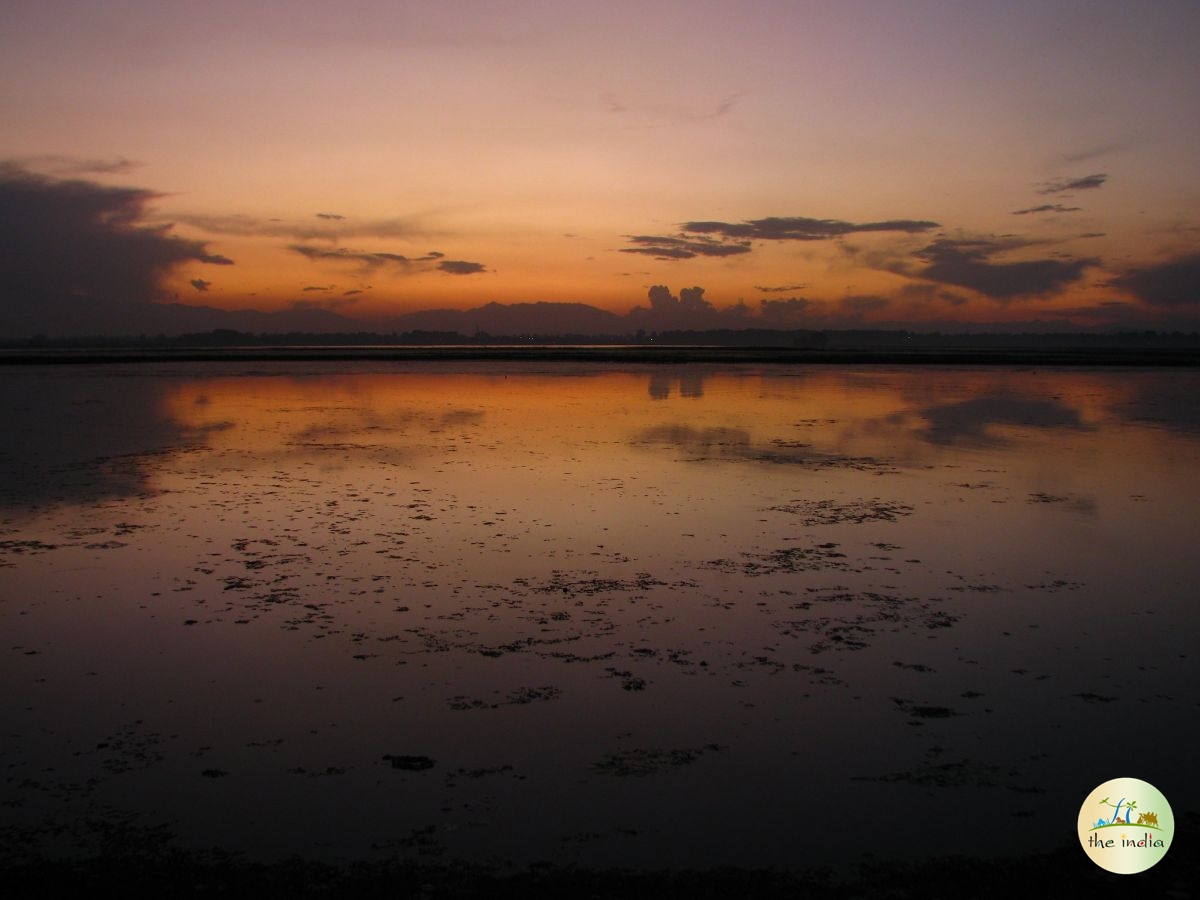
{"x": 640, "y": 763}
{"x": 811, "y": 513}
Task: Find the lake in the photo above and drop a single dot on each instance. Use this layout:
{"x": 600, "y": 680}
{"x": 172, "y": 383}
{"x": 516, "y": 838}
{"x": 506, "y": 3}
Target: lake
{"x": 632, "y": 616}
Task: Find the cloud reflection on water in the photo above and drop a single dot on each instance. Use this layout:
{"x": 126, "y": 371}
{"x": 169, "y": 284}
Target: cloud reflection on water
{"x": 72, "y": 437}
{"x": 533, "y": 581}
{"x": 974, "y": 422}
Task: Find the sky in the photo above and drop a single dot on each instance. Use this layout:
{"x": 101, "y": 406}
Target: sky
{"x": 926, "y": 165}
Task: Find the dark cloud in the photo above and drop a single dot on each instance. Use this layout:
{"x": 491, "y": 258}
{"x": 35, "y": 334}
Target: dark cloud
{"x": 704, "y": 238}
{"x": 215, "y": 259}
{"x": 1062, "y": 185}
{"x": 968, "y": 263}
{"x": 693, "y": 298}
{"x": 1094, "y": 234}
{"x": 331, "y": 227}
{"x": 1174, "y": 283}
{"x": 342, "y": 254}
{"x": 799, "y": 228}
{"x": 661, "y": 297}
{"x": 460, "y": 267}
{"x": 369, "y": 260}
{"x": 1107, "y": 314}
{"x": 74, "y": 166}
{"x": 320, "y": 304}
{"x": 689, "y": 310}
{"x": 689, "y": 300}
{"x": 200, "y": 284}
{"x": 319, "y": 287}
{"x": 663, "y": 253}
{"x": 1090, "y": 153}
{"x": 683, "y": 247}
{"x": 864, "y": 304}
{"x": 74, "y": 251}
{"x": 1047, "y": 207}
{"x": 372, "y": 260}
{"x": 249, "y": 226}
{"x": 351, "y": 293}
{"x": 918, "y": 292}
{"x": 782, "y": 313}
{"x": 782, "y": 289}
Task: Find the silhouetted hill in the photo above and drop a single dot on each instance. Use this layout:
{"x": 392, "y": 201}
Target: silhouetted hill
{"x": 164, "y": 318}
{"x": 514, "y": 319}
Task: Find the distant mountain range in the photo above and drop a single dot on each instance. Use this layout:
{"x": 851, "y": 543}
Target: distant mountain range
{"x": 515, "y": 319}
{"x": 179, "y": 318}
{"x": 132, "y": 319}
{"x": 491, "y": 321}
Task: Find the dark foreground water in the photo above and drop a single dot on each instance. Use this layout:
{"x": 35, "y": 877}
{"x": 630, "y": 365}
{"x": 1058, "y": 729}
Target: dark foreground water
{"x": 661, "y": 617}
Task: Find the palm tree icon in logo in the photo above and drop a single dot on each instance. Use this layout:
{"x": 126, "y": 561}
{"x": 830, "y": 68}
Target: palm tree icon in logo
{"x": 1129, "y": 808}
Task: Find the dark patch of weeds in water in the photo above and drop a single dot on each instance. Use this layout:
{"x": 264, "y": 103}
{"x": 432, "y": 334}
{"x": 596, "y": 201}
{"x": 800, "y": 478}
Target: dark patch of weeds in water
{"x": 410, "y": 763}
{"x": 639, "y": 763}
{"x": 829, "y": 512}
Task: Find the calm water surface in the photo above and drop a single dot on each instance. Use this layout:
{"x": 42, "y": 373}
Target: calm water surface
{"x": 660, "y": 616}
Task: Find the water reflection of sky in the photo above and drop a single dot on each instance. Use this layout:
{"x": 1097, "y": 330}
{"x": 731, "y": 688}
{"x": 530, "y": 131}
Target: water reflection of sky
{"x": 637, "y": 616}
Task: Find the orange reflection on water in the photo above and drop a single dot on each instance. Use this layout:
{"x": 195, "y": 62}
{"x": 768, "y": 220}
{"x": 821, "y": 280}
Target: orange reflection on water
{"x": 904, "y": 414}
{"x": 637, "y": 600}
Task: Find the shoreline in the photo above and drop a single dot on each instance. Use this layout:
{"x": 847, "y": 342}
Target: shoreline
{"x": 668, "y": 355}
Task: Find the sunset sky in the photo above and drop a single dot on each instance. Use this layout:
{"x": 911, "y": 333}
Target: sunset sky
{"x": 920, "y": 164}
